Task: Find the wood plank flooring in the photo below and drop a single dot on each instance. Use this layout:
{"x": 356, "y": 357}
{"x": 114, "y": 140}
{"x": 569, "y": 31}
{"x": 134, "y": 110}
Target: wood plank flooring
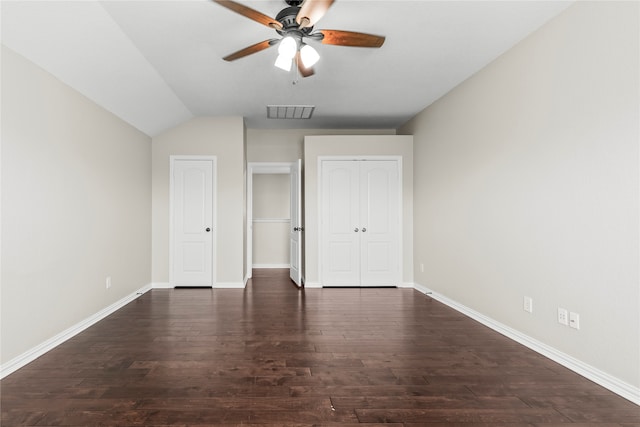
{"x": 273, "y": 355}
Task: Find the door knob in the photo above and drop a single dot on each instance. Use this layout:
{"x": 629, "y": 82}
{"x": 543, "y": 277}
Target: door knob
{"x": 356, "y": 229}
{"x": 208, "y": 229}
{"x": 296, "y": 229}
{"x": 364, "y": 230}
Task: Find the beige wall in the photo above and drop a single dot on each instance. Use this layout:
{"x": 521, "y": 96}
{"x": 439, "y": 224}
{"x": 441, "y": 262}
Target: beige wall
{"x": 212, "y": 136}
{"x": 287, "y": 145}
{"x": 271, "y": 244}
{"x": 526, "y": 183}
{"x": 76, "y": 203}
{"x": 271, "y": 196}
{"x": 356, "y": 145}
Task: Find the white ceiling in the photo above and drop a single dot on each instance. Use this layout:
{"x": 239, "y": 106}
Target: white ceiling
{"x": 156, "y": 64}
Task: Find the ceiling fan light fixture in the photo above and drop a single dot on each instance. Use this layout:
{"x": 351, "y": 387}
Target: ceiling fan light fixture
{"x": 294, "y": 24}
{"x": 309, "y": 56}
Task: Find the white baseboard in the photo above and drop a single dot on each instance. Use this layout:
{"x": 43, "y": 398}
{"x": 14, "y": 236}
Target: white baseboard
{"x": 229, "y": 285}
{"x": 271, "y": 266}
{"x": 161, "y": 285}
{"x": 318, "y": 285}
{"x": 607, "y": 381}
{"x": 37, "y": 351}
{"x": 219, "y": 285}
{"x": 312, "y": 285}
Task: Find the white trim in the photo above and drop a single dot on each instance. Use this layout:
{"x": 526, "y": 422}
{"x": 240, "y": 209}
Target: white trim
{"x": 271, "y": 266}
{"x": 270, "y": 167}
{"x": 607, "y": 381}
{"x": 161, "y": 285}
{"x": 230, "y": 285}
{"x": 313, "y": 285}
{"x": 406, "y": 285}
{"x": 42, "y": 348}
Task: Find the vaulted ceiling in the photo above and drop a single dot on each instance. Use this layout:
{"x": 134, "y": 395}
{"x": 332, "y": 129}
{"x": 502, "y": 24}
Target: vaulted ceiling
{"x": 156, "y": 64}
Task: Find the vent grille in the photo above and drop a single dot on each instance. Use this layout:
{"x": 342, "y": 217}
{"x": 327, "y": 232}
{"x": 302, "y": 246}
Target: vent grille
{"x": 291, "y": 112}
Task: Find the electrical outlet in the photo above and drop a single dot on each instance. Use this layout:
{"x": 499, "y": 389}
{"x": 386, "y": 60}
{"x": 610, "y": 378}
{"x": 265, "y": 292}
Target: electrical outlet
{"x": 528, "y": 304}
{"x": 574, "y": 320}
{"x": 108, "y": 282}
{"x": 563, "y": 316}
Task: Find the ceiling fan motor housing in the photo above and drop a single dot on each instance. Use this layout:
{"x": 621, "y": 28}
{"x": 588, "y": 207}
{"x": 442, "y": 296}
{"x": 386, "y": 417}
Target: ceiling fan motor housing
{"x": 287, "y": 17}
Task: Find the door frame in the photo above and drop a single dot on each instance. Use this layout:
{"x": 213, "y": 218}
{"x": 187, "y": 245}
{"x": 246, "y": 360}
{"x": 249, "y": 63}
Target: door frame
{"x": 398, "y": 160}
{"x": 214, "y": 219}
{"x": 259, "y": 168}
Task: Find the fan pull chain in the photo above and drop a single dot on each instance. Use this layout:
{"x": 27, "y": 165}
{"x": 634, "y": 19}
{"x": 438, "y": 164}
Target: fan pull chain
{"x": 296, "y": 77}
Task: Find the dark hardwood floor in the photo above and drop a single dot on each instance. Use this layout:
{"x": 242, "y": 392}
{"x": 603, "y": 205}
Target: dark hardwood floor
{"x": 274, "y": 355}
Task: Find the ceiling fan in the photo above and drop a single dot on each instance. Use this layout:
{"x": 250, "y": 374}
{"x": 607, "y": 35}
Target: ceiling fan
{"x": 295, "y": 24}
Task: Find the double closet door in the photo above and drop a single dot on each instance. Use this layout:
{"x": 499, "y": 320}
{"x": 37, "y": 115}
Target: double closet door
{"x": 360, "y": 222}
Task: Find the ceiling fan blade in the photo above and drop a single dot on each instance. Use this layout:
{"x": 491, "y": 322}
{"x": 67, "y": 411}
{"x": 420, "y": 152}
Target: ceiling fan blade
{"x": 304, "y": 72}
{"x": 250, "y": 13}
{"x": 249, "y": 50}
{"x": 311, "y": 11}
{"x": 351, "y": 38}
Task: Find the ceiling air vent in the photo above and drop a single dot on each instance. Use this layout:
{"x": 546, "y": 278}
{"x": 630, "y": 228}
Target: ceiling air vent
{"x": 290, "y": 111}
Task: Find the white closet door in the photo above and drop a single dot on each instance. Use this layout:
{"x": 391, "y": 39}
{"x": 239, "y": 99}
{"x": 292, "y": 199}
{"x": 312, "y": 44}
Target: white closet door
{"x": 340, "y": 218}
{"x": 360, "y": 214}
{"x": 380, "y": 223}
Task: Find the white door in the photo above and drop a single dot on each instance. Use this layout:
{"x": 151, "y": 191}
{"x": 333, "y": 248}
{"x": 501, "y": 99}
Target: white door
{"x": 193, "y": 235}
{"x": 296, "y": 227}
{"x": 360, "y": 223}
{"x": 380, "y": 223}
{"x": 340, "y": 223}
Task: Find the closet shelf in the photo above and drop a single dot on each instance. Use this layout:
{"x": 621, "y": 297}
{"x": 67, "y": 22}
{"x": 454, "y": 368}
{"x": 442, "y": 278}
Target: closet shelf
{"x": 274, "y": 220}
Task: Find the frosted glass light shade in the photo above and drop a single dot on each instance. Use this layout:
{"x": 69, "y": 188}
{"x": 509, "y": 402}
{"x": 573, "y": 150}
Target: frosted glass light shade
{"x": 288, "y": 47}
{"x": 283, "y": 62}
{"x": 309, "y": 56}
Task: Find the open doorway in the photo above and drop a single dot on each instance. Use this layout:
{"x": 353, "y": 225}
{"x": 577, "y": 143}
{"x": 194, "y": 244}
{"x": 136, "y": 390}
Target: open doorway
{"x": 274, "y": 226}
